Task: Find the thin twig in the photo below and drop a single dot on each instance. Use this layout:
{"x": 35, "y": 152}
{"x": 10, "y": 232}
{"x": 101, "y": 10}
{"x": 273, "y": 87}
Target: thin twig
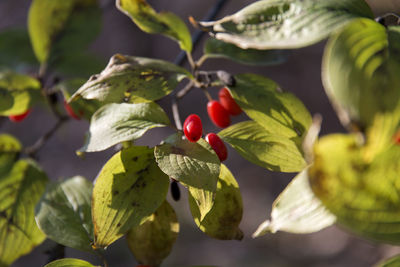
{"x": 174, "y": 105}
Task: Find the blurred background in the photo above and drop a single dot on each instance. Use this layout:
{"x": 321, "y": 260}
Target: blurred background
{"x": 332, "y": 247}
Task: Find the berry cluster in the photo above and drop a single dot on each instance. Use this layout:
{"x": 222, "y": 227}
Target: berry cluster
{"x": 219, "y": 113}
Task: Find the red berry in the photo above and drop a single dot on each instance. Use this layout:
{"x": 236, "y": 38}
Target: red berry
{"x": 218, "y": 114}
{"x": 70, "y": 111}
{"x": 19, "y": 117}
{"x": 218, "y": 145}
{"x": 396, "y": 138}
{"x": 227, "y": 101}
{"x": 193, "y": 128}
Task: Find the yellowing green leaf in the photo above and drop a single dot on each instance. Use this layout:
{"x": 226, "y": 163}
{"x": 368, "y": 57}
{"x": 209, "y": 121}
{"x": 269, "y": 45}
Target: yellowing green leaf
{"x": 297, "y": 210}
{"x": 127, "y": 78}
{"x": 195, "y": 165}
{"x": 265, "y": 148}
{"x": 20, "y": 190}
{"x": 69, "y": 262}
{"x": 116, "y": 123}
{"x": 360, "y": 71}
{"x": 9, "y": 149}
{"x": 222, "y": 221}
{"x": 129, "y": 188}
{"x": 148, "y": 20}
{"x": 64, "y": 213}
{"x": 392, "y": 262}
{"x": 276, "y": 111}
{"x": 152, "y": 241}
{"x": 271, "y": 24}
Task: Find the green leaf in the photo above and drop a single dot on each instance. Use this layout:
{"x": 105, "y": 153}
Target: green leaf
{"x": 129, "y": 188}
{"x": 20, "y": 190}
{"x": 267, "y": 149}
{"x": 152, "y": 241}
{"x": 361, "y": 192}
{"x": 195, "y": 165}
{"x": 297, "y": 210}
{"x": 116, "y": 123}
{"x": 81, "y": 107}
{"x": 392, "y": 262}
{"x": 64, "y": 213}
{"x": 18, "y": 92}
{"x": 222, "y": 222}
{"x": 15, "y": 48}
{"x": 9, "y": 150}
{"x": 360, "y": 71}
{"x": 69, "y": 262}
{"x": 46, "y": 20}
{"x": 165, "y": 23}
{"x": 276, "y": 111}
{"x": 215, "y": 48}
{"x": 132, "y": 78}
{"x": 271, "y": 24}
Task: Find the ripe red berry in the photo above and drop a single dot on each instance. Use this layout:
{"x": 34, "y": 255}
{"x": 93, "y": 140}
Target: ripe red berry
{"x": 218, "y": 114}
{"x": 70, "y": 111}
{"x": 19, "y": 117}
{"x": 227, "y": 101}
{"x": 396, "y": 138}
{"x": 218, "y": 145}
{"x": 193, "y": 128}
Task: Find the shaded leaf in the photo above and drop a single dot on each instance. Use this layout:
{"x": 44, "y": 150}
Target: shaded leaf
{"x": 215, "y": 48}
{"x": 276, "y": 111}
{"x": 64, "y": 213}
{"x": 360, "y": 71}
{"x": 392, "y": 262}
{"x": 20, "y": 190}
{"x": 297, "y": 210}
{"x": 268, "y": 149}
{"x": 9, "y": 150}
{"x": 195, "y": 165}
{"x": 15, "y": 48}
{"x": 222, "y": 222}
{"x": 69, "y": 262}
{"x": 127, "y": 78}
{"x": 116, "y": 123}
{"x": 271, "y": 24}
{"x": 129, "y": 188}
{"x": 363, "y": 194}
{"x": 148, "y": 20}
{"x": 18, "y": 92}
{"x": 152, "y": 241}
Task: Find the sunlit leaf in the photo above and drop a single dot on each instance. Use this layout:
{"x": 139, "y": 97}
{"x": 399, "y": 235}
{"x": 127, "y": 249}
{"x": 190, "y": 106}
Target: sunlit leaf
{"x": 126, "y": 78}
{"x": 222, "y": 222}
{"x": 392, "y": 262}
{"x": 360, "y": 71}
{"x": 129, "y": 188}
{"x": 69, "y": 262}
{"x": 278, "y": 112}
{"x": 64, "y": 213}
{"x": 195, "y": 165}
{"x": 20, "y": 190}
{"x": 9, "y": 149}
{"x": 271, "y": 24}
{"x": 297, "y": 210}
{"x": 148, "y": 20}
{"x": 152, "y": 241}
{"x": 116, "y": 123}
{"x": 268, "y": 149}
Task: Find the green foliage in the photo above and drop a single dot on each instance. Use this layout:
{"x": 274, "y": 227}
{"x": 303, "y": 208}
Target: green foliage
{"x": 268, "y": 149}
{"x": 9, "y": 150}
{"x": 18, "y": 92}
{"x": 116, "y": 123}
{"x": 129, "y": 188}
{"x": 195, "y": 165}
{"x": 152, "y": 241}
{"x": 297, "y": 210}
{"x": 392, "y": 262}
{"x": 215, "y": 48}
{"x": 272, "y": 24}
{"x": 360, "y": 71}
{"x": 64, "y": 213}
{"x": 15, "y": 48}
{"x": 148, "y": 20}
{"x": 20, "y": 190}
{"x": 222, "y": 221}
{"x": 132, "y": 79}
{"x": 69, "y": 262}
